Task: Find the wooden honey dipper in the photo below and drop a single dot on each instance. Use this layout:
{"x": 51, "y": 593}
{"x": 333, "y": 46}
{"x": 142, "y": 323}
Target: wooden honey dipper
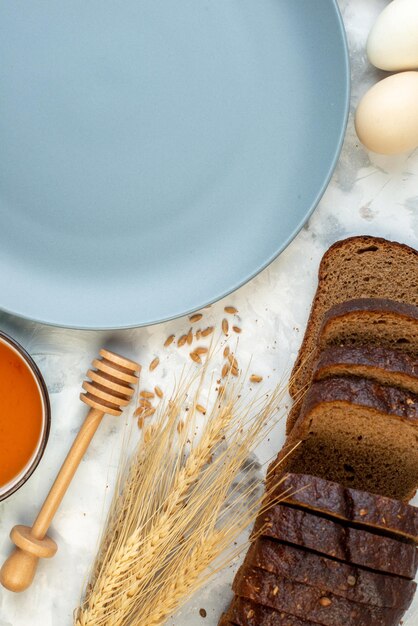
{"x": 110, "y": 388}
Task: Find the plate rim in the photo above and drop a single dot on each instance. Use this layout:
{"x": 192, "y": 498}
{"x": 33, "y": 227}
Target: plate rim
{"x": 313, "y": 205}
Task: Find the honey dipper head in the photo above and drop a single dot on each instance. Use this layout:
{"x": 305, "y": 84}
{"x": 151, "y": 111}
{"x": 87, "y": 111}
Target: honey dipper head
{"x": 111, "y": 384}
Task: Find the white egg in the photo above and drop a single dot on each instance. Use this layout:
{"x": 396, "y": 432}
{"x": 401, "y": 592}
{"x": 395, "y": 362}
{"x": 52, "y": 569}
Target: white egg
{"x": 393, "y": 40}
{"x": 387, "y": 116}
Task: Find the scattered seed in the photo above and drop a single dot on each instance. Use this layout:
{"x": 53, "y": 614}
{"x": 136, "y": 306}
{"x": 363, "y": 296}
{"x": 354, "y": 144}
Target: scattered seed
{"x": 363, "y": 512}
{"x": 236, "y": 329}
{"x": 225, "y": 327}
{"x": 254, "y": 378}
{"x": 225, "y": 370}
{"x": 207, "y": 331}
{"x": 190, "y": 337}
{"x": 182, "y": 341}
{"x": 201, "y": 350}
{"x": 201, "y": 409}
{"x": 141, "y": 422}
{"x": 234, "y": 371}
{"x": 202, "y": 613}
{"x": 144, "y": 404}
{"x": 195, "y": 318}
{"x": 324, "y": 601}
{"x": 221, "y": 390}
{"x": 275, "y": 591}
{"x": 198, "y": 334}
{"x": 147, "y": 412}
{"x": 147, "y": 394}
{"x": 168, "y": 341}
{"x": 250, "y": 614}
{"x": 195, "y": 357}
{"x": 226, "y": 351}
{"x": 155, "y": 363}
{"x": 158, "y": 392}
{"x": 351, "y": 580}
{"x": 230, "y": 309}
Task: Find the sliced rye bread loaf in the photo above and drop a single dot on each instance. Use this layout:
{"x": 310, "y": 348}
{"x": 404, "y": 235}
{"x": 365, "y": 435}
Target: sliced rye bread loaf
{"x": 357, "y": 267}
{"x": 367, "y": 323}
{"x": 243, "y": 612}
{"x": 384, "y": 366}
{"x": 360, "y": 434}
{"x": 317, "y": 605}
{"x": 342, "y": 579}
{"x": 392, "y": 517}
{"x": 336, "y": 540}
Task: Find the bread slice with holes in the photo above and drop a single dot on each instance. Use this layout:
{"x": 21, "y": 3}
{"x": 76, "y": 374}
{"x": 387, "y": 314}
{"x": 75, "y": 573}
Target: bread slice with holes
{"x": 357, "y": 267}
{"x": 337, "y": 540}
{"x": 342, "y": 579}
{"x": 384, "y": 366}
{"x": 360, "y": 434}
{"x": 307, "y": 602}
{"x": 359, "y": 508}
{"x": 368, "y": 325}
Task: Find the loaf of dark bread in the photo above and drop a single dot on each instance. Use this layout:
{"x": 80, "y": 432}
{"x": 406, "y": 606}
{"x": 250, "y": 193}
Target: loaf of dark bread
{"x": 358, "y": 267}
{"x": 361, "y": 508}
{"x": 336, "y": 540}
{"x": 305, "y": 601}
{"x": 342, "y": 579}
{"x": 360, "y": 434}
{"x": 243, "y": 612}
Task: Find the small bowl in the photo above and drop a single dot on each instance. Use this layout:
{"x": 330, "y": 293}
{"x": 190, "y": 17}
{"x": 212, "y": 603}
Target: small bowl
{"x": 16, "y": 482}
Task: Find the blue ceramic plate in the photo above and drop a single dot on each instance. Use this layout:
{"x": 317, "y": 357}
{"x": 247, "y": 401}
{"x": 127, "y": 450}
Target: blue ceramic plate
{"x": 157, "y": 154}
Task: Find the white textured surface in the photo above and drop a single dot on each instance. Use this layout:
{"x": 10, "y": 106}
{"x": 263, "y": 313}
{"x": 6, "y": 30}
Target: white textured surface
{"x": 368, "y": 194}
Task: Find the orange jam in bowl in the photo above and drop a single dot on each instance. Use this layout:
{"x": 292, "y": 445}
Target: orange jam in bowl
{"x": 24, "y": 416}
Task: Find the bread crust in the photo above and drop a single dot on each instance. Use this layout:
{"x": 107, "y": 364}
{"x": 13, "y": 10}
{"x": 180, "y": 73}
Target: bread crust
{"x": 243, "y": 612}
{"x": 342, "y": 579}
{"x": 350, "y": 505}
{"x": 311, "y": 603}
{"x": 336, "y": 540}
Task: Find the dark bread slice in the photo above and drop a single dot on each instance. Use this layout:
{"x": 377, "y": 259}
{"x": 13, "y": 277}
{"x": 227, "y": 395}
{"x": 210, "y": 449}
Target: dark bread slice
{"x": 243, "y": 612}
{"x": 342, "y": 579}
{"x": 351, "y": 505}
{"x": 371, "y": 322}
{"x": 336, "y": 540}
{"x": 384, "y": 366}
{"x": 317, "y": 605}
{"x": 367, "y": 323}
{"x": 360, "y": 434}
{"x": 357, "y": 267}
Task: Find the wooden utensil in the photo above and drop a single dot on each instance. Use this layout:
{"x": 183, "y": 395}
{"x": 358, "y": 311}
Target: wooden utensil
{"x": 110, "y": 388}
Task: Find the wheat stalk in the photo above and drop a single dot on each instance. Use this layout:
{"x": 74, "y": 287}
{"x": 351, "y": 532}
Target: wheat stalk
{"x": 178, "y": 508}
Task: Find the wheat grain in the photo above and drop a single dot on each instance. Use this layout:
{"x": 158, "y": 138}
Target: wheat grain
{"x": 225, "y": 327}
{"x": 231, "y": 309}
{"x": 195, "y": 318}
{"x": 167, "y": 521}
{"x": 169, "y": 341}
{"x": 154, "y": 363}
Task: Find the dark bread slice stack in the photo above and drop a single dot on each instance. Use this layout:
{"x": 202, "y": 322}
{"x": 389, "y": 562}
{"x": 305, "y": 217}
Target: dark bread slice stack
{"x": 384, "y": 366}
{"x": 360, "y": 434}
{"x": 357, "y": 267}
{"x": 307, "y": 602}
{"x": 337, "y": 577}
{"x": 339, "y": 541}
{"x": 366, "y": 324}
{"x": 360, "y": 508}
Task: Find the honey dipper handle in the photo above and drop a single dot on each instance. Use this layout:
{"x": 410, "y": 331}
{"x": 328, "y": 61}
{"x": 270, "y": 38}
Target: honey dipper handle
{"x": 66, "y": 473}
